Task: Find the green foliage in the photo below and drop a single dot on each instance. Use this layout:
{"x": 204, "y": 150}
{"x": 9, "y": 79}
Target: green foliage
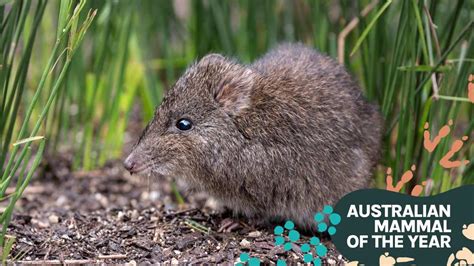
{"x": 22, "y": 118}
{"x": 403, "y": 54}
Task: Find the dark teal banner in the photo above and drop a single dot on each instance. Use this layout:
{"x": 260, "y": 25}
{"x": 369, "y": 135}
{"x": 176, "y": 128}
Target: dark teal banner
{"x": 382, "y": 226}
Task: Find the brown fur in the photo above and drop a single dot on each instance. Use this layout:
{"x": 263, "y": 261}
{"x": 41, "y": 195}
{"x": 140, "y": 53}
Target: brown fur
{"x": 277, "y": 139}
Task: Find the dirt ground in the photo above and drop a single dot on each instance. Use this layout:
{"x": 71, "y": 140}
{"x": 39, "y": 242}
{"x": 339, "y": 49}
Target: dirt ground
{"x": 108, "y": 216}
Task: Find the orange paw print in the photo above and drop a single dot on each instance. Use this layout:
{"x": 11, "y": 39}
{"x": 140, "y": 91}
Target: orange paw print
{"x": 443, "y": 132}
{"x": 446, "y": 160}
{"x": 430, "y": 145}
{"x": 405, "y": 179}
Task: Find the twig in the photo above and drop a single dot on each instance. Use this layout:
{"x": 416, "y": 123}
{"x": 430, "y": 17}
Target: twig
{"x": 83, "y": 261}
{"x": 432, "y": 27}
{"x": 22, "y": 253}
{"x": 197, "y": 226}
{"x": 41, "y": 262}
{"x": 341, "y": 39}
{"x": 435, "y": 86}
{"x": 28, "y": 190}
{"x": 179, "y": 212}
{"x": 453, "y": 98}
{"x": 433, "y": 30}
{"x": 47, "y": 253}
{"x": 111, "y": 257}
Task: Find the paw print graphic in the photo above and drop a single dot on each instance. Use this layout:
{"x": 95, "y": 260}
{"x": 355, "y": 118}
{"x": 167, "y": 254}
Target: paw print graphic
{"x": 293, "y": 235}
{"x": 312, "y": 251}
{"x": 246, "y": 259}
{"x": 334, "y": 219}
{"x": 313, "y": 247}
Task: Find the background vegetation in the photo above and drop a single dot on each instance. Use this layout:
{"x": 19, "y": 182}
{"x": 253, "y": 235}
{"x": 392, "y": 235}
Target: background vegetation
{"x": 71, "y": 72}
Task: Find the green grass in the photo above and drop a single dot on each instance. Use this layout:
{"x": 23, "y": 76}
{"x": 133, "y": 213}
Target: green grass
{"x": 134, "y": 50}
{"x": 20, "y": 125}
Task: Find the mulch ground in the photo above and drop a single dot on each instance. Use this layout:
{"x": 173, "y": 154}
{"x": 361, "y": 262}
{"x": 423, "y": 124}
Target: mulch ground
{"x": 108, "y": 216}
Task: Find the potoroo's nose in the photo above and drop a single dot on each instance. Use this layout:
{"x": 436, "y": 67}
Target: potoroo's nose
{"x": 129, "y": 164}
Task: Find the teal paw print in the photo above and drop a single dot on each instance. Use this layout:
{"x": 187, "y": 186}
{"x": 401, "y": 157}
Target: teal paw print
{"x": 280, "y": 239}
{"x": 246, "y": 259}
{"x": 313, "y": 247}
{"x": 334, "y": 219}
{"x": 293, "y": 235}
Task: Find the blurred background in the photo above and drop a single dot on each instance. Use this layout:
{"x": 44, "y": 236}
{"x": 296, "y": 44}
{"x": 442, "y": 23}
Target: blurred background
{"x": 83, "y": 78}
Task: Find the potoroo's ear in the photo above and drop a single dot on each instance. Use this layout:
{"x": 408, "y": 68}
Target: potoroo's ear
{"x": 234, "y": 88}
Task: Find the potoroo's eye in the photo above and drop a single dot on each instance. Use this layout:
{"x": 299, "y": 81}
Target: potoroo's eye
{"x": 184, "y": 124}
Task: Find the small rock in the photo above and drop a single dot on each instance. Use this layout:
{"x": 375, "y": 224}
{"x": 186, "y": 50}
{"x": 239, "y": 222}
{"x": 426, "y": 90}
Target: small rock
{"x": 174, "y": 261}
{"x": 245, "y": 243}
{"x": 212, "y": 204}
{"x": 61, "y": 201}
{"x": 255, "y": 234}
{"x": 54, "y": 219}
{"x": 295, "y": 256}
{"x": 135, "y": 214}
{"x": 154, "y": 195}
{"x": 331, "y": 261}
{"x": 71, "y": 226}
{"x": 39, "y": 223}
{"x": 104, "y": 202}
{"x": 120, "y": 215}
{"x": 132, "y": 262}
